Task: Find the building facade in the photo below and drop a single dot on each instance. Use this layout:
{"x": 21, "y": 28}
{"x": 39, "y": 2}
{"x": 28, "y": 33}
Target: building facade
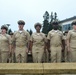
{"x": 66, "y": 23}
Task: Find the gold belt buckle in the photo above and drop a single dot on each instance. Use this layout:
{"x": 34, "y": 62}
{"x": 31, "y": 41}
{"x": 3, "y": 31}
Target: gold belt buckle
{"x": 20, "y": 46}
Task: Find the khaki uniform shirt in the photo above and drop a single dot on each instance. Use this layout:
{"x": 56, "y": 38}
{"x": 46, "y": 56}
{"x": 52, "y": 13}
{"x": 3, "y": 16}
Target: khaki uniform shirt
{"x": 55, "y": 37}
{"x": 38, "y": 39}
{"x": 5, "y": 41}
{"x": 72, "y": 38}
{"x": 21, "y": 38}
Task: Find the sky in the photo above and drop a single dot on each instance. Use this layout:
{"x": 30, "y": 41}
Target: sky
{"x": 32, "y": 11}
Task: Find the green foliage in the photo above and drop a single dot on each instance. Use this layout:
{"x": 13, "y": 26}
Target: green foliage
{"x": 9, "y": 31}
{"x": 50, "y": 27}
{"x": 47, "y": 23}
{"x": 27, "y": 30}
{"x": 45, "y": 26}
{"x": 30, "y": 32}
{"x": 46, "y": 16}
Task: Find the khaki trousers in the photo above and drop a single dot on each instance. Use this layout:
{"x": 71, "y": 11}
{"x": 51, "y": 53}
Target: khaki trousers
{"x": 55, "y": 54}
{"x": 21, "y": 54}
{"x": 4, "y": 56}
{"x": 73, "y": 55}
{"x": 37, "y": 53}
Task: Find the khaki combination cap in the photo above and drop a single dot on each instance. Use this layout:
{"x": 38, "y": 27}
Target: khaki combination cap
{"x": 21, "y": 22}
{"x": 4, "y": 27}
{"x": 74, "y": 22}
{"x": 55, "y": 23}
{"x": 37, "y": 24}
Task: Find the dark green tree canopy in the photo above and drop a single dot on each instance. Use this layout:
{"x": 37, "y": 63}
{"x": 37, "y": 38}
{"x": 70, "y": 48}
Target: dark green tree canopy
{"x": 47, "y": 23}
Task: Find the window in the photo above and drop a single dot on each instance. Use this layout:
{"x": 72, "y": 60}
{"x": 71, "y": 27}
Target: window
{"x": 66, "y": 27}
